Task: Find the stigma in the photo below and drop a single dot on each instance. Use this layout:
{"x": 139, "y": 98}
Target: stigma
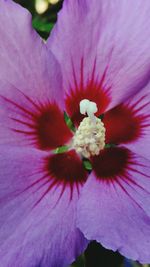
{"x": 89, "y": 138}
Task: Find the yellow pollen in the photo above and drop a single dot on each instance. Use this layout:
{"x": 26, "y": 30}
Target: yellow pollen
{"x": 89, "y": 138}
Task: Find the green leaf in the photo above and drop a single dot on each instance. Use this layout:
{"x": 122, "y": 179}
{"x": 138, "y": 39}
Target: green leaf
{"x": 87, "y": 164}
{"x": 109, "y": 145}
{"x": 101, "y": 116}
{"x": 69, "y": 122}
{"x": 61, "y": 149}
{"x": 41, "y": 25}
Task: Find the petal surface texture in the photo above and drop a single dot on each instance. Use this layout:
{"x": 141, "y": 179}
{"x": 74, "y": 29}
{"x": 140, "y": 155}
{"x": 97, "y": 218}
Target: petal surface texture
{"x": 129, "y": 123}
{"x": 37, "y": 222}
{"x": 103, "y": 46}
{"x": 140, "y": 104}
{"x": 30, "y": 77}
{"x": 37, "y": 201}
{"x": 25, "y": 122}
{"x": 114, "y": 204}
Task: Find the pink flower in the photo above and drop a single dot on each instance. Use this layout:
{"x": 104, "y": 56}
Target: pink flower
{"x": 97, "y": 63}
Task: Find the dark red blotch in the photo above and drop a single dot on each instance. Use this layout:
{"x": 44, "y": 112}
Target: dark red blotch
{"x": 111, "y": 163}
{"x": 51, "y": 129}
{"x": 122, "y": 125}
{"x": 66, "y": 168}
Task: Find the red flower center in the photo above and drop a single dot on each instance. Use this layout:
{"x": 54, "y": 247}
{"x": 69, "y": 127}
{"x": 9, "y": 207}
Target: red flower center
{"x": 111, "y": 163}
{"x": 66, "y": 168}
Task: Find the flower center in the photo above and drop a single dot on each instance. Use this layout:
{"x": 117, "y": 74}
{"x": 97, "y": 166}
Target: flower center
{"x": 89, "y": 138}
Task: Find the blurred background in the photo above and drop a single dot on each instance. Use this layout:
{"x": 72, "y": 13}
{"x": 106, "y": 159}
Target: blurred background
{"x": 44, "y": 14}
{"x": 44, "y": 17}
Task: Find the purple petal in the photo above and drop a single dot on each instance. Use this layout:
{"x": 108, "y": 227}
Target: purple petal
{"x": 36, "y": 228}
{"x": 25, "y": 122}
{"x": 28, "y": 71}
{"x": 103, "y": 42}
{"x": 25, "y": 62}
{"x": 115, "y": 210}
{"x": 140, "y": 105}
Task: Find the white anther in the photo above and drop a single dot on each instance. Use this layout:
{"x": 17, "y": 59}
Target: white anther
{"x": 89, "y": 107}
{"x": 89, "y": 140}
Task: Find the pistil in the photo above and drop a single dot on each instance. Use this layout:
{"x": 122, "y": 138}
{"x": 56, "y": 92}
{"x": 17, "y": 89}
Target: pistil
{"x": 89, "y": 138}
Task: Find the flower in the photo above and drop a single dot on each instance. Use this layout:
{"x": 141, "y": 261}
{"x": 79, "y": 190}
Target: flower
{"x": 95, "y": 67}
{"x": 105, "y": 49}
